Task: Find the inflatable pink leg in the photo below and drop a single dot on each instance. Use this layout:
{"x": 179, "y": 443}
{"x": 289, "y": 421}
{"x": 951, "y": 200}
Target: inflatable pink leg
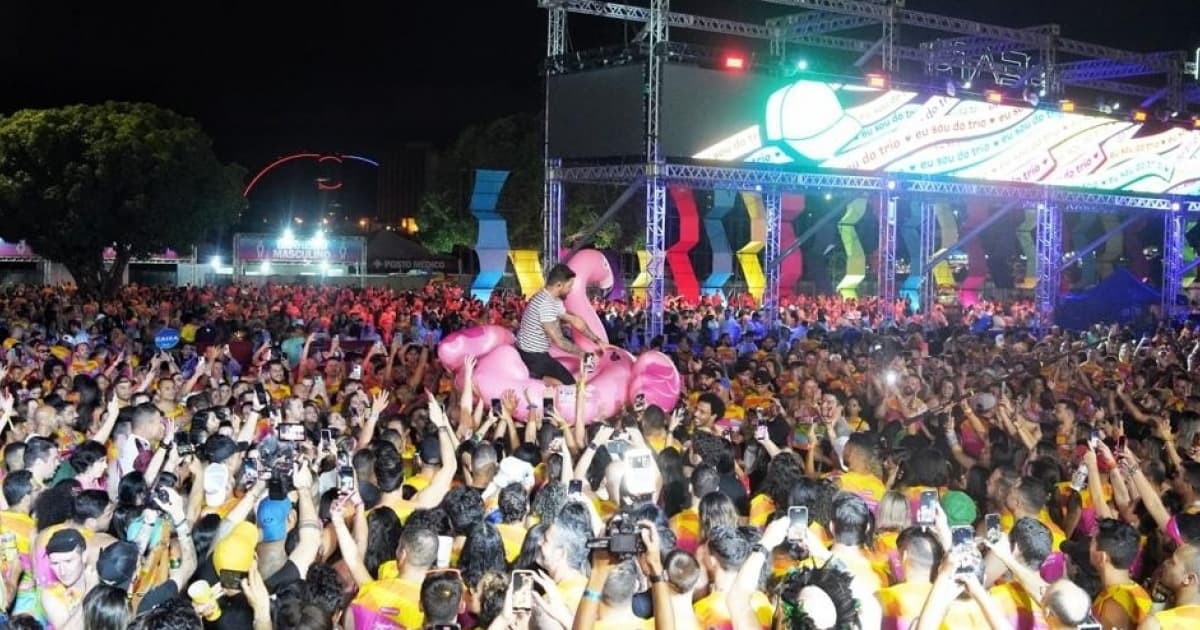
{"x": 655, "y": 375}
{"x": 480, "y": 340}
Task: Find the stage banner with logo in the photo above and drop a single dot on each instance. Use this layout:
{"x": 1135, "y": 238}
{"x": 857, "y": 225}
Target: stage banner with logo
{"x": 332, "y": 249}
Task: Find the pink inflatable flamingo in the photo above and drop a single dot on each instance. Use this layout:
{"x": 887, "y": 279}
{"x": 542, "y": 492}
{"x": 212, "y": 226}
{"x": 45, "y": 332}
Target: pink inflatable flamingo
{"x": 618, "y": 377}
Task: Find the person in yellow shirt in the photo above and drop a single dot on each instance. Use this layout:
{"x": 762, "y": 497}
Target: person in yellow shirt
{"x": 513, "y": 505}
{"x": 900, "y": 604}
{"x": 726, "y": 549}
{"x": 1030, "y": 542}
{"x": 686, "y": 524}
{"x": 1028, "y": 499}
{"x": 862, "y": 458}
{"x": 783, "y": 472}
{"x": 1181, "y": 574}
{"x": 17, "y": 533}
{"x": 562, "y": 554}
{"x": 1122, "y": 603}
{"x": 394, "y": 600}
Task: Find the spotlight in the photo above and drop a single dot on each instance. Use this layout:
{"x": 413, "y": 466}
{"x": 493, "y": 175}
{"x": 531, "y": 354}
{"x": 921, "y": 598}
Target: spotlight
{"x": 1066, "y": 105}
{"x": 318, "y": 240}
{"x": 735, "y": 62}
{"x": 1140, "y": 115}
{"x": 266, "y": 267}
{"x": 802, "y": 65}
{"x": 891, "y": 185}
{"x": 994, "y": 97}
{"x": 828, "y": 197}
{"x": 1196, "y": 122}
{"x": 216, "y": 263}
{"x": 1116, "y": 105}
{"x": 966, "y": 84}
{"x": 877, "y": 81}
{"x": 1175, "y": 206}
{"x": 288, "y": 240}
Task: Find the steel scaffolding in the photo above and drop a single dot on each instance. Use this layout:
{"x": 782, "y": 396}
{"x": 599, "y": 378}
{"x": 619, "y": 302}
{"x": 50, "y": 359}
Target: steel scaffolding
{"x": 839, "y": 25}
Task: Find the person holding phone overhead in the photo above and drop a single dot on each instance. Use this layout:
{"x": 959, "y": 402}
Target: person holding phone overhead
{"x": 541, "y": 325}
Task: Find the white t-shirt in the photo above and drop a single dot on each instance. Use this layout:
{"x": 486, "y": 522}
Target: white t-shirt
{"x": 543, "y": 308}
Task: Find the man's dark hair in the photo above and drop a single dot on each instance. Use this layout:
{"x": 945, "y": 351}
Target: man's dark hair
{"x": 464, "y": 506}
{"x": 730, "y": 546}
{"x": 1032, "y": 539}
{"x": 513, "y": 503}
{"x": 90, "y": 504}
{"x": 419, "y": 545}
{"x": 559, "y": 273}
{"x": 14, "y": 455}
{"x": 714, "y": 402}
{"x": 705, "y": 479}
{"x": 441, "y": 598}
{"x": 37, "y": 449}
{"x": 1033, "y": 493}
{"x": 1119, "y": 540}
{"x": 173, "y": 614}
{"x": 323, "y": 587}
{"x": 17, "y": 486}
{"x": 852, "y": 520}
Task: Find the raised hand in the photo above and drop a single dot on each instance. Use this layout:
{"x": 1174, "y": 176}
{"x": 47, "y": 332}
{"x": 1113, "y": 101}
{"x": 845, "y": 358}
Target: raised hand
{"x": 379, "y": 402}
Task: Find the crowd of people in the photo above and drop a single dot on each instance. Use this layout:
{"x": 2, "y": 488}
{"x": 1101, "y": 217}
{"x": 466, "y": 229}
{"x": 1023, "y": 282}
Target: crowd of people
{"x": 301, "y": 460}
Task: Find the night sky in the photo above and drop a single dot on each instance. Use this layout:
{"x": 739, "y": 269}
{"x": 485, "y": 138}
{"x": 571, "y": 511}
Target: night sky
{"x": 268, "y": 79}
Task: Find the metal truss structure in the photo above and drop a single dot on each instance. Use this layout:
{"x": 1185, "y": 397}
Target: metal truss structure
{"x": 839, "y": 25}
{"x": 886, "y": 272}
{"x": 773, "y": 204}
{"x": 928, "y": 231}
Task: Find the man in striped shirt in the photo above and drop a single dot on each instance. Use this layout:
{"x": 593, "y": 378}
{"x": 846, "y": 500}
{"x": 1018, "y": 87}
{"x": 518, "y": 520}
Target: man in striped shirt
{"x": 541, "y": 324}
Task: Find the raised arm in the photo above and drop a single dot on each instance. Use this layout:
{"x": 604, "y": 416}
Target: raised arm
{"x": 433, "y": 494}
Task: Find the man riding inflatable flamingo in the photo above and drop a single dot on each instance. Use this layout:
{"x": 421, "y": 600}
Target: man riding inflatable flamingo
{"x": 540, "y": 357}
{"x": 541, "y": 326}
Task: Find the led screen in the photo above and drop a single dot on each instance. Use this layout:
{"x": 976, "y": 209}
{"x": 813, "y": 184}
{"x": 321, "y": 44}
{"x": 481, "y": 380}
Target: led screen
{"x": 597, "y": 113}
{"x": 849, "y": 127}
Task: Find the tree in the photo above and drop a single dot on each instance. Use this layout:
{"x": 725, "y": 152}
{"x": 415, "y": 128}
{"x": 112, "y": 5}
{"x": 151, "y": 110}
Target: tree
{"x": 132, "y": 176}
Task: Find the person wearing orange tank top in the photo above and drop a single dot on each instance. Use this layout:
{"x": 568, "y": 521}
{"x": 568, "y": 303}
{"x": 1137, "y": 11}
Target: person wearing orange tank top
{"x": 1181, "y": 574}
{"x": 1122, "y": 603}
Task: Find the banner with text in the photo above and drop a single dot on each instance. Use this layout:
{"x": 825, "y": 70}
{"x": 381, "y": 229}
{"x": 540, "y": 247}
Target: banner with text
{"x": 333, "y": 249}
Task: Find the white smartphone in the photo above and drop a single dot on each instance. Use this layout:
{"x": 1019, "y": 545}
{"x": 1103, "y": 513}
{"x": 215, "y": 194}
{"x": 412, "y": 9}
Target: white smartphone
{"x": 797, "y": 522}
{"x": 521, "y": 590}
{"x": 639, "y": 481}
{"x": 445, "y": 543}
